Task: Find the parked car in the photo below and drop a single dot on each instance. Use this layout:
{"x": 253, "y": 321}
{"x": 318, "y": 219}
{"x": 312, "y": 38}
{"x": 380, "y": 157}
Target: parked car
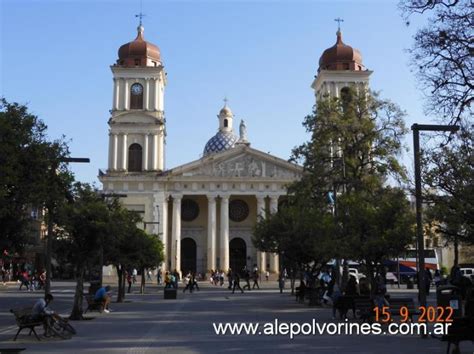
{"x": 468, "y": 273}
{"x": 356, "y": 274}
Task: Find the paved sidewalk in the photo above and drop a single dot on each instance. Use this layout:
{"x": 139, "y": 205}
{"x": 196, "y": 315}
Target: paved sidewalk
{"x": 149, "y": 324}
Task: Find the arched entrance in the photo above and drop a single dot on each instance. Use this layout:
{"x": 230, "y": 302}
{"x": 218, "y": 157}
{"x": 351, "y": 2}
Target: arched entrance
{"x": 237, "y": 254}
{"x": 188, "y": 255}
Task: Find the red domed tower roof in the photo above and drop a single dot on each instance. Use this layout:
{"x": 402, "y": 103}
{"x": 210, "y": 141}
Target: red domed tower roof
{"x": 341, "y": 57}
{"x": 139, "y": 52}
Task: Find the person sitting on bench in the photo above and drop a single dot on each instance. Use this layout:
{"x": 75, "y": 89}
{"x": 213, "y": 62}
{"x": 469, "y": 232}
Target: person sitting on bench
{"x": 102, "y": 295}
{"x": 41, "y": 312}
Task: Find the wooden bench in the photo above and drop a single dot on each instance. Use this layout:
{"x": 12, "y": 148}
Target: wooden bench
{"x": 396, "y": 303}
{"x": 92, "y": 304}
{"x": 24, "y": 319}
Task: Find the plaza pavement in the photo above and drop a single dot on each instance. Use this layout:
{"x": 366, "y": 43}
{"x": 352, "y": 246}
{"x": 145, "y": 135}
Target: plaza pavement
{"x": 149, "y": 324}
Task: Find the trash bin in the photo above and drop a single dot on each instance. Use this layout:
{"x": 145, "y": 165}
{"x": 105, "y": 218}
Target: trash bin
{"x": 94, "y": 286}
{"x": 170, "y": 293}
{"x": 450, "y": 295}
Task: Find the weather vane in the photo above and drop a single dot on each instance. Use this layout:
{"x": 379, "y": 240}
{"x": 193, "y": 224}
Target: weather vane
{"x": 225, "y": 101}
{"x": 339, "y": 20}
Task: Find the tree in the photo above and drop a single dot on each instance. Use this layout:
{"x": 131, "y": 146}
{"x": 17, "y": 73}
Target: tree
{"x": 442, "y": 55}
{"x": 31, "y": 174}
{"x": 377, "y": 225}
{"x": 127, "y": 246}
{"x": 353, "y": 150}
{"x": 85, "y": 220}
{"x": 449, "y": 182}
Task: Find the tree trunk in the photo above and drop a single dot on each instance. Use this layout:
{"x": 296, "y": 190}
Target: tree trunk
{"x": 456, "y": 251}
{"x": 142, "y": 282}
{"x": 76, "y": 313}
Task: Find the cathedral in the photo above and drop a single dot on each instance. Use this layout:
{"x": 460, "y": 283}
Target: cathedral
{"x": 203, "y": 211}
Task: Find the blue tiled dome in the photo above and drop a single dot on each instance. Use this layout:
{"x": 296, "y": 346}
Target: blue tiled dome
{"x": 220, "y": 142}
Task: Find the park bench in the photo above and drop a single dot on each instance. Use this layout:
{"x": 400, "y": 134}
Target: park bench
{"x": 364, "y": 308}
{"x": 396, "y": 303}
{"x": 92, "y": 304}
{"x": 24, "y": 319}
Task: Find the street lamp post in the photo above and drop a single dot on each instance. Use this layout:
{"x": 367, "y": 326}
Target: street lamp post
{"x": 49, "y": 239}
{"x": 419, "y": 227}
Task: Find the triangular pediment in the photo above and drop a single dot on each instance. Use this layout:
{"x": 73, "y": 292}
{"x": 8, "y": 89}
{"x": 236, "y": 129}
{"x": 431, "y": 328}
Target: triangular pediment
{"x": 239, "y": 162}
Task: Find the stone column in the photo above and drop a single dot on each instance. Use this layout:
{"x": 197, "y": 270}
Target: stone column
{"x": 154, "y": 153}
{"x": 224, "y": 241}
{"x": 116, "y": 94}
{"x": 157, "y": 94}
{"x": 211, "y": 232}
{"x": 176, "y": 234}
{"x": 163, "y": 208}
{"x": 111, "y": 151}
{"x": 124, "y": 151}
{"x": 274, "y": 258}
{"x": 115, "y": 152}
{"x": 146, "y": 94}
{"x": 145, "y": 152}
{"x": 126, "y": 95}
{"x": 159, "y": 151}
{"x": 261, "y": 256}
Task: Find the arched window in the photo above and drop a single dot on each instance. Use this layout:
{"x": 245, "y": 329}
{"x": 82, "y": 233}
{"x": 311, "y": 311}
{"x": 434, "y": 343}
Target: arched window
{"x": 226, "y": 123}
{"x": 136, "y": 96}
{"x": 135, "y": 158}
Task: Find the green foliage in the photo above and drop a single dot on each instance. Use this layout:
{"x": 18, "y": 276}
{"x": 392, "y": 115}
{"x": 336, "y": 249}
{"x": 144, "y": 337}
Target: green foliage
{"x": 449, "y": 181}
{"x": 31, "y": 173}
{"x": 376, "y": 224}
{"x": 353, "y": 150}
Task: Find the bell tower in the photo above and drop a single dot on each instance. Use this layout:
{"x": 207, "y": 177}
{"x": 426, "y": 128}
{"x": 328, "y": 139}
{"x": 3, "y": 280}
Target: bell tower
{"x": 137, "y": 125}
{"x": 339, "y": 67}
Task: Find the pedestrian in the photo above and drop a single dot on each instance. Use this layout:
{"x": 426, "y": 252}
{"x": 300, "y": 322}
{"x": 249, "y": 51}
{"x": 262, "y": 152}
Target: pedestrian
{"x": 267, "y": 275}
{"x": 167, "y": 280}
{"x": 247, "y": 279}
{"x": 194, "y": 282}
{"x": 255, "y": 280}
{"x": 236, "y": 280}
{"x": 148, "y": 275}
{"x": 24, "y": 280}
{"x": 229, "y": 278}
{"x": 437, "y": 278}
{"x": 189, "y": 283}
{"x": 129, "y": 281}
{"x": 158, "y": 276}
{"x": 134, "y": 275}
{"x": 281, "y": 283}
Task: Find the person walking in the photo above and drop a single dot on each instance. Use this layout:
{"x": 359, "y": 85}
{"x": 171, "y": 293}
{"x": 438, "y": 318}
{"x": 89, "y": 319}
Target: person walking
{"x": 236, "y": 280}
{"x": 129, "y": 281}
{"x": 194, "y": 282}
{"x": 281, "y": 283}
{"x": 134, "y": 275}
{"x": 230, "y": 278}
{"x": 247, "y": 279}
{"x": 255, "y": 280}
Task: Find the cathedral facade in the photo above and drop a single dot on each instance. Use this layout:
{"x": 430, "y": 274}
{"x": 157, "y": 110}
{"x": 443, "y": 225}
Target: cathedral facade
{"x": 203, "y": 211}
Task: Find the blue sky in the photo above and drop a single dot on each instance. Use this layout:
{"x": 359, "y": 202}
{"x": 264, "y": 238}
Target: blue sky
{"x": 262, "y": 55}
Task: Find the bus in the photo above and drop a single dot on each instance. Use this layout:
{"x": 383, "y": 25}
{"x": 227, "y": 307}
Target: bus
{"x": 407, "y": 262}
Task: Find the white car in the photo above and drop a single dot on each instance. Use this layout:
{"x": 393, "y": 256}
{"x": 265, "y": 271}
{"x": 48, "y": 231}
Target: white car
{"x": 468, "y": 273}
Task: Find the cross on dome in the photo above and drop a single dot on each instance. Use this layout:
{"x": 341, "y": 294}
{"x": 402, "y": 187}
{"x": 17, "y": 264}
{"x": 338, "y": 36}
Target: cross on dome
{"x": 339, "y": 20}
